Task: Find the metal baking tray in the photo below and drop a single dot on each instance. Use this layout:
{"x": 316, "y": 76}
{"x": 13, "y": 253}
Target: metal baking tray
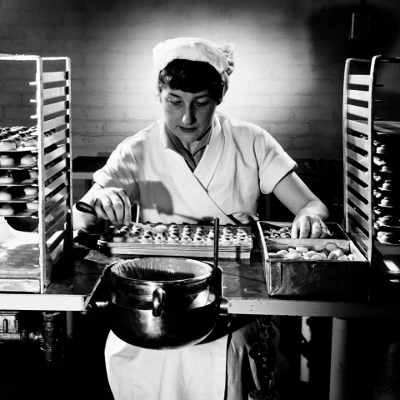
{"x": 126, "y": 250}
{"x": 312, "y": 279}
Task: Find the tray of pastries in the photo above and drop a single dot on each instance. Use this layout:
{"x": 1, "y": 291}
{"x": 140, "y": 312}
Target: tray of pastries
{"x": 18, "y": 138}
{"x": 177, "y": 240}
{"x": 330, "y": 267}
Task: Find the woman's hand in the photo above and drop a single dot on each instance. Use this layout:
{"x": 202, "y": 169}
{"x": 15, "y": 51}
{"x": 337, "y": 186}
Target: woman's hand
{"x": 309, "y": 224}
{"x": 113, "y": 204}
{"x": 310, "y": 212}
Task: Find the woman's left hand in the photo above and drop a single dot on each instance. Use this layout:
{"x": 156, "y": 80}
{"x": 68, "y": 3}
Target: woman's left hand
{"x": 308, "y": 224}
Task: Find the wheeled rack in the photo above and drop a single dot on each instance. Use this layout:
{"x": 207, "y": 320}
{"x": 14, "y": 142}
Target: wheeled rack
{"x": 371, "y": 151}
{"x": 36, "y": 239}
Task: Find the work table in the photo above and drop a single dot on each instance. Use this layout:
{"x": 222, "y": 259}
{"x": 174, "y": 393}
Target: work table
{"x": 244, "y": 288}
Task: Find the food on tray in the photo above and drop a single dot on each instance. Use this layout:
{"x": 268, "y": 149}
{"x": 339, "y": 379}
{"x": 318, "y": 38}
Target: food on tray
{"x": 161, "y": 238}
{"x": 387, "y": 202}
{"x": 34, "y": 205}
{"x": 118, "y": 237}
{"x": 388, "y": 185}
{"x": 160, "y": 228}
{"x": 19, "y": 137}
{"x": 331, "y": 252}
{"x": 148, "y": 236}
{"x": 227, "y": 239}
{"x": 285, "y": 232}
{"x": 30, "y": 190}
{"x": 177, "y": 235}
{"x": 134, "y": 237}
{"x": 388, "y": 237}
{"x": 33, "y": 174}
{"x": 389, "y": 220}
{"x": 8, "y": 144}
{"x": 5, "y": 195}
{"x": 6, "y": 210}
{"x": 29, "y": 159}
{"x": 29, "y": 142}
{"x": 6, "y": 161}
{"x": 186, "y": 239}
{"x": 6, "y": 177}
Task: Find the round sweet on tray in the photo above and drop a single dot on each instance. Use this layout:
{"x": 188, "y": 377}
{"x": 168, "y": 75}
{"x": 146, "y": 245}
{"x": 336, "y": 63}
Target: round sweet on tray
{"x": 160, "y": 229}
{"x": 8, "y": 144}
{"x": 387, "y": 202}
{"x": 389, "y": 220}
{"x": 241, "y": 240}
{"x": 173, "y": 238}
{"x": 227, "y": 239}
{"x": 5, "y": 195}
{"x": 198, "y": 239}
{"x": 388, "y": 185}
{"x": 30, "y": 190}
{"x": 6, "y": 161}
{"x": 6, "y": 177}
{"x": 34, "y": 205}
{"x": 33, "y": 174}
{"x": 161, "y": 238}
{"x": 118, "y": 237}
{"x": 6, "y": 210}
{"x": 148, "y": 237}
{"x": 29, "y": 159}
{"x": 186, "y": 239}
{"x": 389, "y": 237}
{"x": 134, "y": 237}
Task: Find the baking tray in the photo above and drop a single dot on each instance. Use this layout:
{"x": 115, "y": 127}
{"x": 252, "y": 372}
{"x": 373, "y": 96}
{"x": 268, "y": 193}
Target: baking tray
{"x": 311, "y": 279}
{"x": 126, "y": 250}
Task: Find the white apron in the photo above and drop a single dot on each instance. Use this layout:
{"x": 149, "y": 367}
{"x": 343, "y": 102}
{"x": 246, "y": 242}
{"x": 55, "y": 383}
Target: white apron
{"x": 190, "y": 373}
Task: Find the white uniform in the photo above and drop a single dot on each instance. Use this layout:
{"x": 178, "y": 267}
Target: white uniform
{"x": 241, "y": 160}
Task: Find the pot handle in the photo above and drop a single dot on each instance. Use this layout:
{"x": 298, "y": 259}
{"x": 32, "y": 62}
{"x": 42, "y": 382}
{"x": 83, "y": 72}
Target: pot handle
{"x": 158, "y": 301}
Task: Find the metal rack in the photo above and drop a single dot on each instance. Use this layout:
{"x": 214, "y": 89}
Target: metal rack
{"x": 51, "y": 238}
{"x": 362, "y": 133}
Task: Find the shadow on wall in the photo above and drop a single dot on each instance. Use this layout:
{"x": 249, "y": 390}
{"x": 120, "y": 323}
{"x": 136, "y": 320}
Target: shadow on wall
{"x": 335, "y": 22}
{"x": 329, "y": 28}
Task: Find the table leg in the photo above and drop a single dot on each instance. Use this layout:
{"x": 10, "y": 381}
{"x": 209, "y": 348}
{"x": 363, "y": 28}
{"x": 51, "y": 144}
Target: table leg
{"x": 338, "y": 387}
{"x": 304, "y": 361}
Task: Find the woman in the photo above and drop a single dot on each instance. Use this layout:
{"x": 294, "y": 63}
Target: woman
{"x": 191, "y": 166}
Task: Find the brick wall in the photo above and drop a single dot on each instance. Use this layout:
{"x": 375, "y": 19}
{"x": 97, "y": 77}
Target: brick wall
{"x": 290, "y": 57}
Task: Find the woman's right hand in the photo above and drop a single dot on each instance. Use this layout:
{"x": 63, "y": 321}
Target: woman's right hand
{"x": 112, "y": 204}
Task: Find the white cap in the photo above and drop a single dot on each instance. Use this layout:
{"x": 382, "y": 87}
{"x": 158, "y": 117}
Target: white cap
{"x": 195, "y": 49}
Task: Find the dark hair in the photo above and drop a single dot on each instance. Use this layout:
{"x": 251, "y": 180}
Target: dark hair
{"x": 191, "y": 76}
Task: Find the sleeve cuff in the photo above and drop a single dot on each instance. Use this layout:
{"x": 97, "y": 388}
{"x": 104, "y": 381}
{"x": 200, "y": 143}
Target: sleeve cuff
{"x": 278, "y": 169}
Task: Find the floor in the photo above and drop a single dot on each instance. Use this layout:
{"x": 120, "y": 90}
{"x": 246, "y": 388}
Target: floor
{"x": 81, "y": 373}
{"x": 79, "y": 376}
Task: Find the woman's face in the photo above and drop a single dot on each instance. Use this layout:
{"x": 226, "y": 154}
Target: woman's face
{"x": 188, "y": 115}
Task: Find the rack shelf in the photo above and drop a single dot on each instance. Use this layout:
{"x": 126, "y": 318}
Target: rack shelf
{"x": 39, "y": 224}
{"x": 371, "y": 149}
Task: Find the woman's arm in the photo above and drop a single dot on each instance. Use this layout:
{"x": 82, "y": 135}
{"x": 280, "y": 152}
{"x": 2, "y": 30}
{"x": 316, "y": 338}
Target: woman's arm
{"x": 309, "y": 211}
{"x": 109, "y": 203}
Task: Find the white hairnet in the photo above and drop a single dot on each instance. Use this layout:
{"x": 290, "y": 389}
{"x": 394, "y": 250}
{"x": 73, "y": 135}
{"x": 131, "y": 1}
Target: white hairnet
{"x": 195, "y": 49}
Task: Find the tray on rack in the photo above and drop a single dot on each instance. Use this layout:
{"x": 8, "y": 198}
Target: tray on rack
{"x": 180, "y": 248}
{"x": 304, "y": 277}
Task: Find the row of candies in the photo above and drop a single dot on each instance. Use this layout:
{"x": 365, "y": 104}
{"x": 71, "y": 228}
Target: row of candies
{"x": 174, "y": 234}
{"x": 27, "y": 160}
{"x": 285, "y": 232}
{"x": 12, "y": 138}
{"x": 331, "y": 252}
{"x": 386, "y": 190}
{"x": 20, "y": 137}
